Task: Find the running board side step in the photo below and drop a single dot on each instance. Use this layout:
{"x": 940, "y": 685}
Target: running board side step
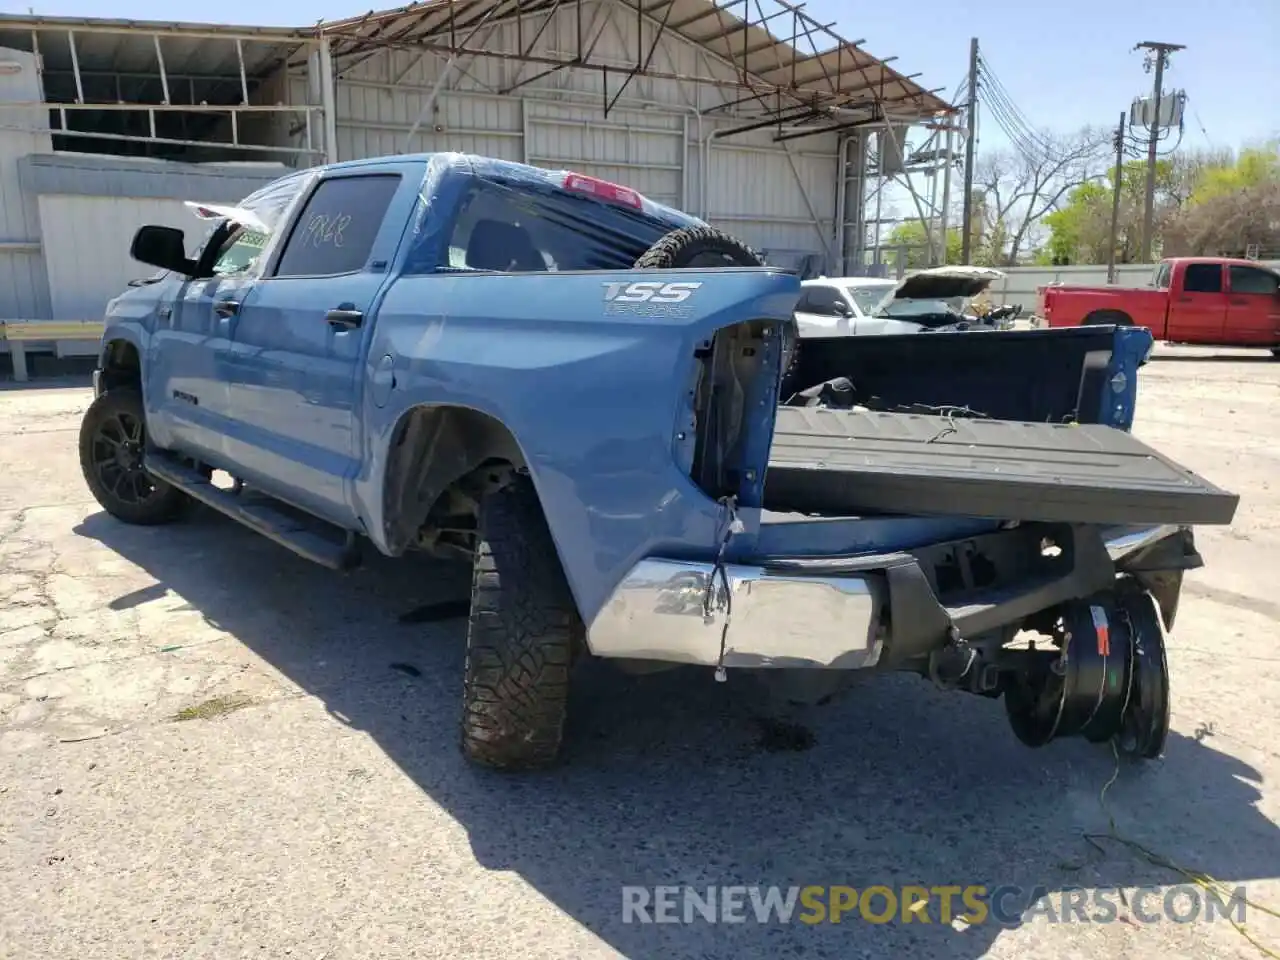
{"x": 261, "y": 515}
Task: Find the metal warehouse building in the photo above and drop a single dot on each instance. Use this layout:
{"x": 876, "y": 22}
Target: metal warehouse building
{"x": 746, "y": 112}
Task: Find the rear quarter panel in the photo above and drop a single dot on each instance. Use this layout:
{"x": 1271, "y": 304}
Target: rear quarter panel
{"x": 592, "y": 396}
{"x": 1070, "y": 306}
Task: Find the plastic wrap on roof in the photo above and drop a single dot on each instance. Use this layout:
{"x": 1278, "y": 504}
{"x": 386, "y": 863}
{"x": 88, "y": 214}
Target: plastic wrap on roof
{"x": 261, "y": 211}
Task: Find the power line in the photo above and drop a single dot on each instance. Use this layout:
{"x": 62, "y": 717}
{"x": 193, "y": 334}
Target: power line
{"x": 1017, "y": 117}
{"x": 1186, "y": 100}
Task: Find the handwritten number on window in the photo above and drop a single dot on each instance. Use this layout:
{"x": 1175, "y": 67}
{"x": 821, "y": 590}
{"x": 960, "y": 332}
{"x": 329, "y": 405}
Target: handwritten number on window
{"x": 326, "y": 228}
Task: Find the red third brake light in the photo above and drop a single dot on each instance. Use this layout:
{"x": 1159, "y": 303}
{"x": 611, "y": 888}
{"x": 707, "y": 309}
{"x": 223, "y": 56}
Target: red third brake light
{"x": 603, "y": 190}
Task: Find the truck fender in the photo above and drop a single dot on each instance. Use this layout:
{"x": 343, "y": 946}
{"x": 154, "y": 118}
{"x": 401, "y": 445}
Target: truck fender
{"x": 432, "y": 447}
{"x": 120, "y": 361}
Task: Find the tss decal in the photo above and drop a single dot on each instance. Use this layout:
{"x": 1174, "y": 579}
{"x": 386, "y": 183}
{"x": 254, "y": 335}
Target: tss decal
{"x": 649, "y": 291}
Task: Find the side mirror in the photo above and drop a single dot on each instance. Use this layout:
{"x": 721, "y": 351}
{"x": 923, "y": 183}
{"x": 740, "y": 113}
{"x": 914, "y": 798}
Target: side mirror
{"x": 844, "y": 310}
{"x": 163, "y": 247}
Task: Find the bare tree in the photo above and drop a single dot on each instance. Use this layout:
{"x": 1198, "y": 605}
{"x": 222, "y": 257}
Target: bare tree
{"x": 1020, "y": 185}
{"x": 1227, "y": 225}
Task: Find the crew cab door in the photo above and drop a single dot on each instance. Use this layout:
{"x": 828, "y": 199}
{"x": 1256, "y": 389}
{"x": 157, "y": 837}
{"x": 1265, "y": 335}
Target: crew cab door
{"x": 189, "y": 401}
{"x": 292, "y": 362}
{"x": 181, "y": 376}
{"x": 1253, "y": 306}
{"x": 1198, "y": 304}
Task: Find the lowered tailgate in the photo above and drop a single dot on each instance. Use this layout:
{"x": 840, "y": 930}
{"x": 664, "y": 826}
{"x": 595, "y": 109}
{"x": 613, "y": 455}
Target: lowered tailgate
{"x": 851, "y": 462}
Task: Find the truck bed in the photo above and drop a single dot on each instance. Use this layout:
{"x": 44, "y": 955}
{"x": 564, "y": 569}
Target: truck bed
{"x": 1046, "y": 376}
{"x": 859, "y": 462}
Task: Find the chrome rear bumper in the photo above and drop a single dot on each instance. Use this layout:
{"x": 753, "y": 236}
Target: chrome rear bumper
{"x": 778, "y": 619}
{"x": 673, "y": 610}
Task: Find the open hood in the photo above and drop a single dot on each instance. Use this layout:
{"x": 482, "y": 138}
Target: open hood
{"x": 940, "y": 283}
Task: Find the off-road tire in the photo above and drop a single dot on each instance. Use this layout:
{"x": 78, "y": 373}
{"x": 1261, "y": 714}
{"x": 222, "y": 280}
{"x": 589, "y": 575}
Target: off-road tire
{"x": 698, "y": 247}
{"x": 706, "y": 248}
{"x": 522, "y": 637}
{"x": 127, "y": 492}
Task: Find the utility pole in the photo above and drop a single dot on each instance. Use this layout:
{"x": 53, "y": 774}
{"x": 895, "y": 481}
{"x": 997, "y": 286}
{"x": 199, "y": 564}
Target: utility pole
{"x": 1159, "y": 53}
{"x": 966, "y": 220}
{"x": 945, "y": 216}
{"x": 1115, "y": 202}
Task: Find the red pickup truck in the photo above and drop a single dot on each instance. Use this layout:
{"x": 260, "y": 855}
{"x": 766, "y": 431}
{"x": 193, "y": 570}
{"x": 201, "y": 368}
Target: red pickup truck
{"x": 1203, "y": 300}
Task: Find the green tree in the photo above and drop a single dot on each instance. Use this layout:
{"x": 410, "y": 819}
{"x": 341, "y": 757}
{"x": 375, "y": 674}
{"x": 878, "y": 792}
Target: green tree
{"x": 1231, "y": 206}
{"x": 1080, "y": 230}
{"x": 1255, "y": 167}
{"x": 911, "y": 235}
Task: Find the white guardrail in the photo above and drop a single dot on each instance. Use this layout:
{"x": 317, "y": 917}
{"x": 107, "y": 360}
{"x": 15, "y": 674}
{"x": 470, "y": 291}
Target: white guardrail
{"x": 16, "y": 334}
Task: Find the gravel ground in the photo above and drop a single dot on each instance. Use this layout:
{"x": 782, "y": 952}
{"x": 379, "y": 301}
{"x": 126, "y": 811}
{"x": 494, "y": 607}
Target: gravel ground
{"x": 210, "y": 748}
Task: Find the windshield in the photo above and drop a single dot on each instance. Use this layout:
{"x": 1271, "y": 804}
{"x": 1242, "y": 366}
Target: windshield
{"x": 866, "y": 296}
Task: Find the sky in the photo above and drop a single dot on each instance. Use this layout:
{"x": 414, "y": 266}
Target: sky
{"x": 1071, "y": 65}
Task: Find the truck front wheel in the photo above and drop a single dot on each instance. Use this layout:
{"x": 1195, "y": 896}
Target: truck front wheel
{"x": 523, "y": 635}
{"x": 112, "y": 444}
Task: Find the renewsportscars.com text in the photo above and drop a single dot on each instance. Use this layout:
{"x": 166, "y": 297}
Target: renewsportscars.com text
{"x": 955, "y": 904}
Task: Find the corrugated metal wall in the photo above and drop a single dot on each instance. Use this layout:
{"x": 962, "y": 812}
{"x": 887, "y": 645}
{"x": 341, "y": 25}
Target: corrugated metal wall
{"x": 654, "y": 139}
{"x": 84, "y": 271}
{"x": 650, "y": 141}
{"x": 24, "y": 289}
{"x": 77, "y": 200}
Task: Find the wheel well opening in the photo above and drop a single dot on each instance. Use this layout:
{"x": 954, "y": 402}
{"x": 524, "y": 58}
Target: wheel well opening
{"x": 443, "y": 460}
{"x": 1108, "y": 317}
{"x": 121, "y": 365}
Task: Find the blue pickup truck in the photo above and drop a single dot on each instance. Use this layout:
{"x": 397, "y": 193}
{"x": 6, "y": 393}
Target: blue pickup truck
{"x": 601, "y": 404}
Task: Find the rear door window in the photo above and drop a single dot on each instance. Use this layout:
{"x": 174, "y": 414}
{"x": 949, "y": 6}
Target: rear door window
{"x": 518, "y": 228}
{"x": 1203, "y": 278}
{"x": 335, "y": 232}
{"x": 1254, "y": 280}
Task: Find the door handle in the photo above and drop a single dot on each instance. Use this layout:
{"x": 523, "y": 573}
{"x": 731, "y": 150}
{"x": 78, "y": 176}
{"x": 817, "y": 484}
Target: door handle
{"x": 226, "y": 308}
{"x": 1239, "y": 302}
{"x": 344, "y": 317}
{"x": 1184, "y": 299}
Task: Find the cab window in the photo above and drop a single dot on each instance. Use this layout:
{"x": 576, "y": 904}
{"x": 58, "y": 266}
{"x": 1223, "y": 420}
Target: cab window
{"x": 239, "y": 252}
{"x": 239, "y": 248}
{"x": 336, "y": 230}
{"x": 1203, "y": 278}
{"x": 823, "y": 302}
{"x": 1254, "y": 280}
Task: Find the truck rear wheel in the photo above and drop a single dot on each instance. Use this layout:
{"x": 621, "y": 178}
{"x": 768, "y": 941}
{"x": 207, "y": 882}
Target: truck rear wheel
{"x": 112, "y": 444}
{"x": 522, "y": 637}
{"x": 694, "y": 247}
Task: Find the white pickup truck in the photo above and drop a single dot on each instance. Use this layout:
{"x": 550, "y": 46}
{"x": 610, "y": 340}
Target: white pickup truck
{"x": 928, "y": 300}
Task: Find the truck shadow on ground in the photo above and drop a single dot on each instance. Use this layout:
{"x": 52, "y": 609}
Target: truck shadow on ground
{"x": 672, "y": 779}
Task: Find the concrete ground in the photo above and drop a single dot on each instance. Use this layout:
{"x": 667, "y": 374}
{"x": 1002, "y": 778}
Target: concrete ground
{"x": 209, "y": 748}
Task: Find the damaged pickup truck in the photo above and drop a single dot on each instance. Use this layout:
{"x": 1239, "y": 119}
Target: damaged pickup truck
{"x": 602, "y": 404}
